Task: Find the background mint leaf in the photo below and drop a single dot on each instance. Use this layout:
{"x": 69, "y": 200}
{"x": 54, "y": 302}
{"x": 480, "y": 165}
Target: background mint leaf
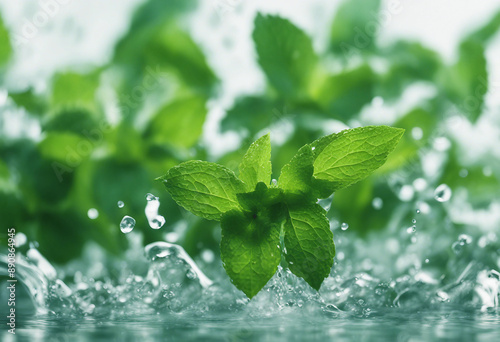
{"x": 352, "y": 30}
{"x": 256, "y": 164}
{"x": 309, "y": 244}
{"x": 205, "y": 189}
{"x": 352, "y": 155}
{"x": 5, "y": 46}
{"x": 250, "y": 250}
{"x": 285, "y": 54}
{"x": 179, "y": 123}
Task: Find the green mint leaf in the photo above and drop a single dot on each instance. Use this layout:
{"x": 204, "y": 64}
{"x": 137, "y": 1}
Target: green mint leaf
{"x": 5, "y": 45}
{"x": 256, "y": 164}
{"x": 351, "y": 32}
{"x": 352, "y": 155}
{"x": 179, "y": 123}
{"x": 250, "y": 250}
{"x": 264, "y": 202}
{"x": 296, "y": 176}
{"x": 285, "y": 54}
{"x": 205, "y": 189}
{"x": 309, "y": 244}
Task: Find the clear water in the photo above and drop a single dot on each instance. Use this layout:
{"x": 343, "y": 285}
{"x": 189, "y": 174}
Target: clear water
{"x": 408, "y": 284}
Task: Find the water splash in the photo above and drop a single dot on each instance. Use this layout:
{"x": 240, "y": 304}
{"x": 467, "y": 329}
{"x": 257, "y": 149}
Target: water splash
{"x": 155, "y": 220}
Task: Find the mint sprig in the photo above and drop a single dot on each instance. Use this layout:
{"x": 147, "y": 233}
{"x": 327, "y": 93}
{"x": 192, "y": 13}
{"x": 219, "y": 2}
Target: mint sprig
{"x": 254, "y": 214}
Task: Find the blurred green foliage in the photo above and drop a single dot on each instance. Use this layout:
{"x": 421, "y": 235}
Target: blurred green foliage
{"x": 96, "y": 149}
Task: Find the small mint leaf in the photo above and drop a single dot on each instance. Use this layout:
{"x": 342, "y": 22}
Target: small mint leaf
{"x": 264, "y": 203}
{"x": 351, "y": 155}
{"x": 250, "y": 250}
{"x": 256, "y": 164}
{"x": 309, "y": 244}
{"x": 296, "y": 176}
{"x": 205, "y": 189}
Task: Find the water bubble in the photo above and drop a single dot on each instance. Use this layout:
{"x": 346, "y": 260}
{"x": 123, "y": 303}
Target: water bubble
{"x": 344, "y": 226}
{"x": 127, "y": 224}
{"x": 426, "y": 261}
{"x": 441, "y": 144}
{"x": 442, "y": 193}
{"x": 21, "y": 239}
{"x": 463, "y": 240}
{"x": 411, "y": 230}
{"x": 377, "y": 203}
{"x": 120, "y": 204}
{"x": 419, "y": 184}
{"x": 487, "y": 171}
{"x": 406, "y": 193}
{"x": 92, "y": 213}
{"x": 208, "y": 256}
{"x": 417, "y": 133}
{"x": 172, "y": 237}
{"x": 377, "y": 101}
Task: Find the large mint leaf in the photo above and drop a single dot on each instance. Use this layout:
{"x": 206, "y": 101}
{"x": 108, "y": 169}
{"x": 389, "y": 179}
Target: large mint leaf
{"x": 285, "y": 54}
{"x": 351, "y": 155}
{"x": 256, "y": 164}
{"x": 205, "y": 189}
{"x": 309, "y": 244}
{"x": 250, "y": 250}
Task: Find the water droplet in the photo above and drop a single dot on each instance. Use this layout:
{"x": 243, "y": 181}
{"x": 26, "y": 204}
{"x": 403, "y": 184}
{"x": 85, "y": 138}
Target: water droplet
{"x": 377, "y": 203}
{"x": 414, "y": 221}
{"x": 21, "y": 239}
{"x": 411, "y": 230}
{"x": 442, "y": 193}
{"x": 151, "y": 197}
{"x": 274, "y": 182}
{"x": 127, "y": 224}
{"x": 326, "y": 203}
{"x": 155, "y": 221}
{"x": 441, "y": 144}
{"x": 377, "y": 101}
{"x": 208, "y": 256}
{"x": 419, "y": 184}
{"x": 120, "y": 204}
{"x": 426, "y": 261}
{"x": 417, "y": 133}
{"x": 172, "y": 237}
{"x": 417, "y": 211}
{"x": 463, "y": 173}
{"x": 92, "y": 213}
{"x": 313, "y": 148}
{"x": 344, "y": 226}
{"x": 487, "y": 171}
{"x": 406, "y": 193}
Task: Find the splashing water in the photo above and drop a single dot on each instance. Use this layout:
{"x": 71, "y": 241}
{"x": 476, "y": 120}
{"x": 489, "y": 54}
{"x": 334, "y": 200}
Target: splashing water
{"x": 162, "y": 283}
{"x": 155, "y": 221}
